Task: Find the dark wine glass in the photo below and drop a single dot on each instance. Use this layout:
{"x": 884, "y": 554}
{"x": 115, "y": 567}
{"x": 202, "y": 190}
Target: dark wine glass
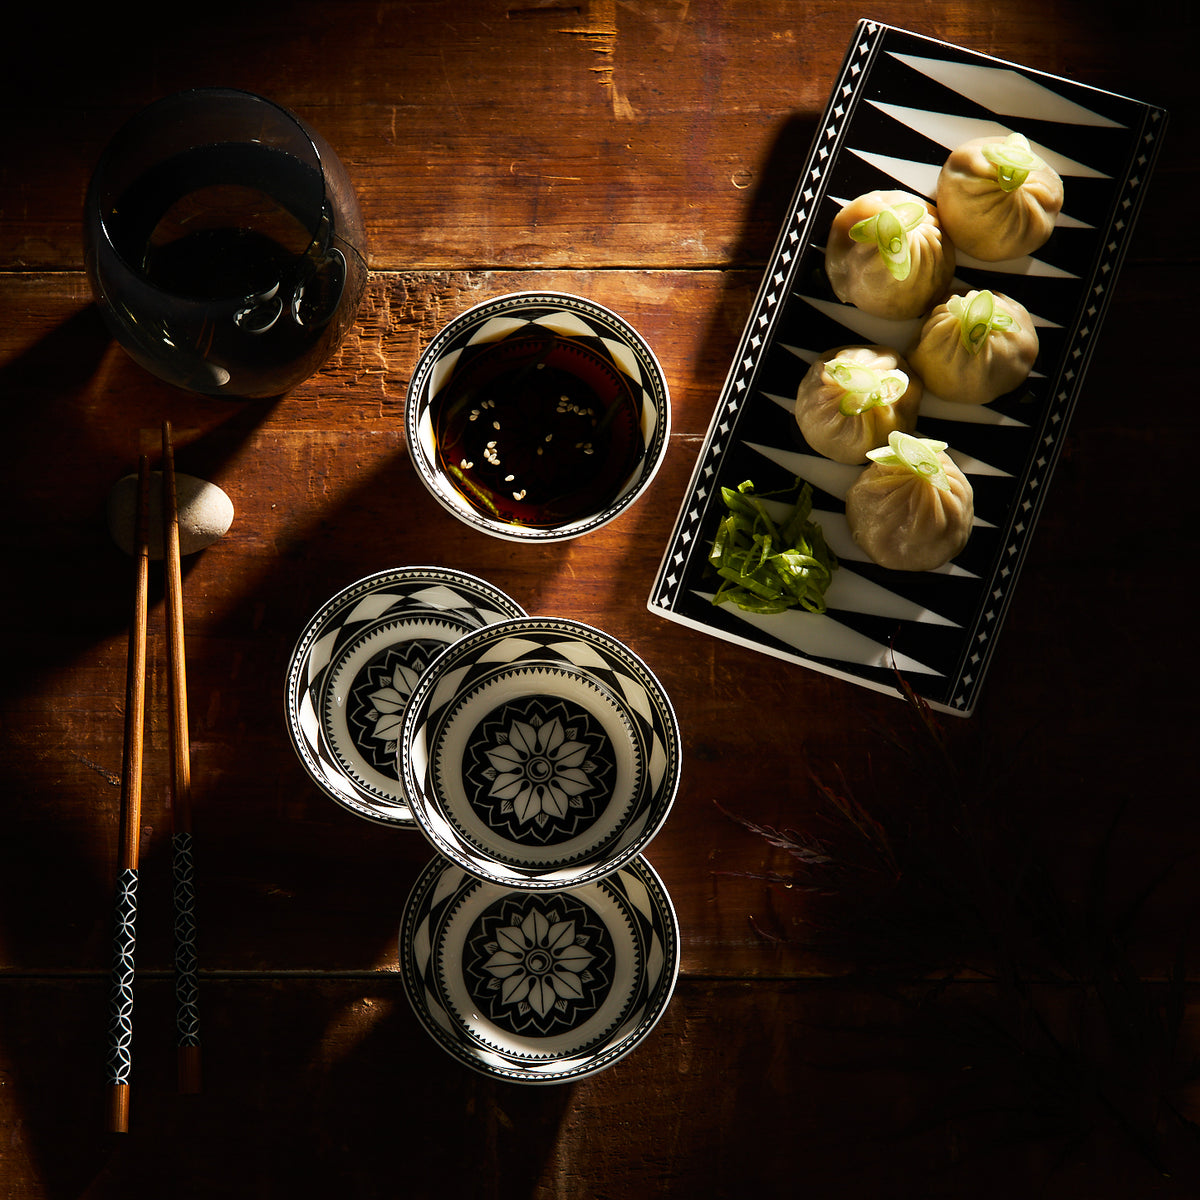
{"x": 224, "y": 243}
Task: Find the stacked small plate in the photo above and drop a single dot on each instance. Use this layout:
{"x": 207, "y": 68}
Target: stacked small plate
{"x": 355, "y": 665}
{"x": 539, "y": 757}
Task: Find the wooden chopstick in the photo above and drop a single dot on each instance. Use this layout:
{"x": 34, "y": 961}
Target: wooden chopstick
{"x": 120, "y": 1031}
{"x": 182, "y": 861}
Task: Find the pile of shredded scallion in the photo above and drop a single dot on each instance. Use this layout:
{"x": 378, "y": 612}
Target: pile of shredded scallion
{"x": 767, "y": 565}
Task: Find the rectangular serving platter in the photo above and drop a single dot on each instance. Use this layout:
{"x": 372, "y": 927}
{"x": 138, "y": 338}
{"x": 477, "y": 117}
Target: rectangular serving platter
{"x": 900, "y": 104}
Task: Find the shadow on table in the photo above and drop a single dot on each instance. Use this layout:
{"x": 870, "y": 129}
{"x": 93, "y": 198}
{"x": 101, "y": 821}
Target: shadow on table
{"x": 75, "y": 429}
{"x": 312, "y": 1087}
{"x": 768, "y": 202}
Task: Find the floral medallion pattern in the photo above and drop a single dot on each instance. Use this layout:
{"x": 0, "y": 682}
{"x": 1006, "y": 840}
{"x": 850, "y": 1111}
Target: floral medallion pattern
{"x": 539, "y": 770}
{"x": 377, "y": 698}
{"x": 538, "y": 965}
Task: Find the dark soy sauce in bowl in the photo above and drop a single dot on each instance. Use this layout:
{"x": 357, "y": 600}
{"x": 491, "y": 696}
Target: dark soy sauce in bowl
{"x": 537, "y": 430}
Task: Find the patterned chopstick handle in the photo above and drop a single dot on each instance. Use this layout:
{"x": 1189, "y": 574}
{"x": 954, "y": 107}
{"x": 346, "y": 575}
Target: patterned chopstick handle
{"x": 187, "y": 1017}
{"x": 120, "y": 1012}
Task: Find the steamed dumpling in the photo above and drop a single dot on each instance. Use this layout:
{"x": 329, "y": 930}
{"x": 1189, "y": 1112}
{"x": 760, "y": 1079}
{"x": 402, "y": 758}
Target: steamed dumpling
{"x": 996, "y": 199}
{"x": 975, "y": 347}
{"x": 887, "y": 255}
{"x": 852, "y": 398}
{"x": 912, "y": 508}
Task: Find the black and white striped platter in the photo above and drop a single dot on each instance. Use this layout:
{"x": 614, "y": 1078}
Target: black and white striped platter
{"x": 900, "y": 104}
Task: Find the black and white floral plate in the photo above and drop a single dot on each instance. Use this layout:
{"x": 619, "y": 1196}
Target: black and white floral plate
{"x": 539, "y": 753}
{"x": 899, "y": 105}
{"x": 355, "y": 665}
{"x": 539, "y": 987}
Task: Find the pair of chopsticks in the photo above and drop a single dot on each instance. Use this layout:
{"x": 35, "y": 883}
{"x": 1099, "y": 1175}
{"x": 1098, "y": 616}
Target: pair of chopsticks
{"x": 120, "y": 1044}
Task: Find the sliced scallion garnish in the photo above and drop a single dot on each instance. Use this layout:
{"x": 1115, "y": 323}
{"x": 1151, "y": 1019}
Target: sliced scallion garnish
{"x": 863, "y": 387}
{"x": 769, "y": 566}
{"x": 888, "y": 230}
{"x": 978, "y": 315}
{"x": 919, "y": 455}
{"x": 1013, "y": 160}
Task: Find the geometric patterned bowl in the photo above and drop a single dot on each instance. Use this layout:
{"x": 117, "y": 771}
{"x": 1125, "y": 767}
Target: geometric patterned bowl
{"x": 593, "y": 344}
{"x": 539, "y": 753}
{"x": 539, "y": 987}
{"x": 354, "y": 666}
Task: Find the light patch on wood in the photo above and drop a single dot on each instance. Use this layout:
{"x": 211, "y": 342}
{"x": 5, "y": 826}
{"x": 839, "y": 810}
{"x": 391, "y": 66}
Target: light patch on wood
{"x": 599, "y": 30}
{"x": 348, "y": 1029}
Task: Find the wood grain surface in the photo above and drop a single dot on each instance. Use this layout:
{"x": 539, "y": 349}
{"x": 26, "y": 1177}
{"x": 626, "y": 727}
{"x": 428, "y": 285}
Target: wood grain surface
{"x": 1003, "y": 1004}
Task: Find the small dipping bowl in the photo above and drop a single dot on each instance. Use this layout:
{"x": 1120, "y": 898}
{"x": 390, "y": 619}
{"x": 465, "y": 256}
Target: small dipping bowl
{"x": 539, "y": 754}
{"x": 537, "y": 416}
{"x": 539, "y": 987}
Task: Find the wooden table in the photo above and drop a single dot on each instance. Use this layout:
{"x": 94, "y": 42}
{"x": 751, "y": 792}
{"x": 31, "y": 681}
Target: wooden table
{"x": 1000, "y": 1004}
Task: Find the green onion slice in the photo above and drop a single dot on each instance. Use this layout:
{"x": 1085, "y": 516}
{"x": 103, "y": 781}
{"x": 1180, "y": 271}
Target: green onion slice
{"x": 768, "y": 565}
{"x": 919, "y": 455}
{"x": 978, "y": 315}
{"x": 888, "y": 229}
{"x": 1013, "y": 161}
{"x": 864, "y": 388}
